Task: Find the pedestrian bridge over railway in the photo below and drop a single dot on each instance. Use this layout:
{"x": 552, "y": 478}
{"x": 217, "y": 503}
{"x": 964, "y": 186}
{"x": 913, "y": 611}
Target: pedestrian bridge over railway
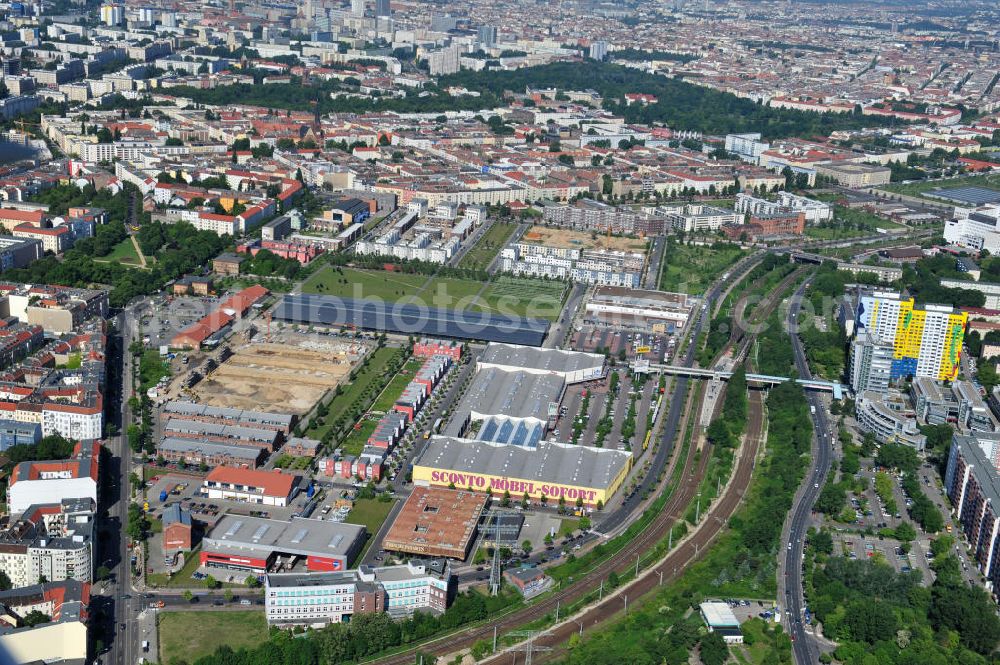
{"x": 809, "y": 384}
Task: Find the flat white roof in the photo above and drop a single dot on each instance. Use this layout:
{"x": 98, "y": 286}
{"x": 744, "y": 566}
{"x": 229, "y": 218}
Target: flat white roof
{"x": 718, "y": 615}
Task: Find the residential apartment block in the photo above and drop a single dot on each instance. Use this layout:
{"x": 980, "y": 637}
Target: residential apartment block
{"x": 975, "y": 228}
{"x": 51, "y": 542}
{"x": 814, "y": 211}
{"x": 43, "y": 483}
{"x": 972, "y": 484}
{"x": 926, "y": 342}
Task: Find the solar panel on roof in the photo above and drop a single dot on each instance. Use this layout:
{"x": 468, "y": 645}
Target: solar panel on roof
{"x": 299, "y": 535}
{"x": 233, "y": 528}
{"x": 488, "y": 430}
{"x": 520, "y": 435}
{"x": 411, "y": 319}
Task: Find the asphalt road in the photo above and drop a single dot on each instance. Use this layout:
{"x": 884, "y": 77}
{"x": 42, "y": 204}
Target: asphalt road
{"x": 121, "y": 629}
{"x": 790, "y": 584}
{"x": 558, "y": 330}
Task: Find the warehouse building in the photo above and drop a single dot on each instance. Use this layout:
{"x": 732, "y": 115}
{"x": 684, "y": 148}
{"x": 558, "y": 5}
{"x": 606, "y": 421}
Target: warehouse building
{"x": 409, "y": 319}
{"x": 551, "y": 471}
{"x": 266, "y": 439}
{"x": 514, "y": 395}
{"x": 719, "y": 618}
{"x": 501, "y": 529}
{"x": 258, "y": 545}
{"x": 638, "y": 310}
{"x": 572, "y": 366}
{"x": 280, "y": 422}
{"x": 436, "y": 522}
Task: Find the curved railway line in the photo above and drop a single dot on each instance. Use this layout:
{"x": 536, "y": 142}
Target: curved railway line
{"x": 684, "y": 492}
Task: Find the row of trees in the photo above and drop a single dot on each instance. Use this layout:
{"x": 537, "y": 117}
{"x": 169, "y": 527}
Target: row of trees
{"x": 725, "y": 430}
{"x": 52, "y": 447}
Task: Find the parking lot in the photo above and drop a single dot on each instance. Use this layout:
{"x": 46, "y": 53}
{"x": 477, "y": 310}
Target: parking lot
{"x": 858, "y": 546}
{"x": 185, "y": 489}
{"x": 166, "y": 317}
{"x": 597, "y": 397}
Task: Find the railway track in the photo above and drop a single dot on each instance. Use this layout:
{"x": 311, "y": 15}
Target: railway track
{"x": 762, "y": 311}
{"x": 675, "y": 562}
{"x": 652, "y": 534}
{"x": 669, "y": 568}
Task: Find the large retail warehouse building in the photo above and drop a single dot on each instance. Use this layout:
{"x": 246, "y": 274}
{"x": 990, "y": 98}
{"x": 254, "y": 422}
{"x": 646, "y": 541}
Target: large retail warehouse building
{"x": 551, "y": 470}
{"x": 497, "y": 436}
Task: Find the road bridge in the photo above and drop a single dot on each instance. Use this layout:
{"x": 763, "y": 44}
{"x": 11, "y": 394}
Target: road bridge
{"x": 717, "y": 374}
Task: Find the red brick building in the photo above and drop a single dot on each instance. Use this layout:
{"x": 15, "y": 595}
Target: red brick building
{"x": 765, "y": 226}
{"x": 176, "y": 530}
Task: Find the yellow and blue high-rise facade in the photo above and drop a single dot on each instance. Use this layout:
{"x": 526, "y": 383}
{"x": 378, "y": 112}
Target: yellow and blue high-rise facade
{"x": 926, "y": 342}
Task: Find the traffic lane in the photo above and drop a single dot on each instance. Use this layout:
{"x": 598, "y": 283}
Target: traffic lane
{"x": 801, "y": 512}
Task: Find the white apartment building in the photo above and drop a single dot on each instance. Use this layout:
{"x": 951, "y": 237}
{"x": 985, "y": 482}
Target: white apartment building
{"x": 602, "y": 267}
{"x": 815, "y": 211}
{"x": 697, "y": 218}
{"x": 749, "y": 147}
{"x": 421, "y": 247}
{"x": 41, "y": 483}
{"x": 975, "y": 228}
{"x": 317, "y": 599}
{"x": 72, "y": 421}
{"x": 54, "y": 542}
{"x": 443, "y": 61}
{"x": 870, "y": 364}
{"x": 889, "y": 417}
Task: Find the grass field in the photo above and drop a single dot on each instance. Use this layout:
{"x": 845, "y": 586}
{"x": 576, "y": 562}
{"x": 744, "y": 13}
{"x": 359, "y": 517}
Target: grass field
{"x": 189, "y": 636}
{"x": 525, "y": 297}
{"x": 450, "y": 293}
{"x": 371, "y": 513}
{"x": 991, "y": 181}
{"x": 396, "y": 385}
{"x": 568, "y": 526}
{"x": 508, "y": 295}
{"x": 152, "y": 368}
{"x": 355, "y": 442}
{"x": 183, "y": 579}
{"x": 351, "y": 283}
{"x": 850, "y": 223}
{"x": 373, "y": 370}
{"x": 123, "y": 252}
{"x": 691, "y": 268}
{"x": 489, "y": 245}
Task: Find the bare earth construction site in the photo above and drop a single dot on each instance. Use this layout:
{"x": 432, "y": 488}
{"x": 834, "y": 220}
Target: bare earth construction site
{"x": 288, "y": 377}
